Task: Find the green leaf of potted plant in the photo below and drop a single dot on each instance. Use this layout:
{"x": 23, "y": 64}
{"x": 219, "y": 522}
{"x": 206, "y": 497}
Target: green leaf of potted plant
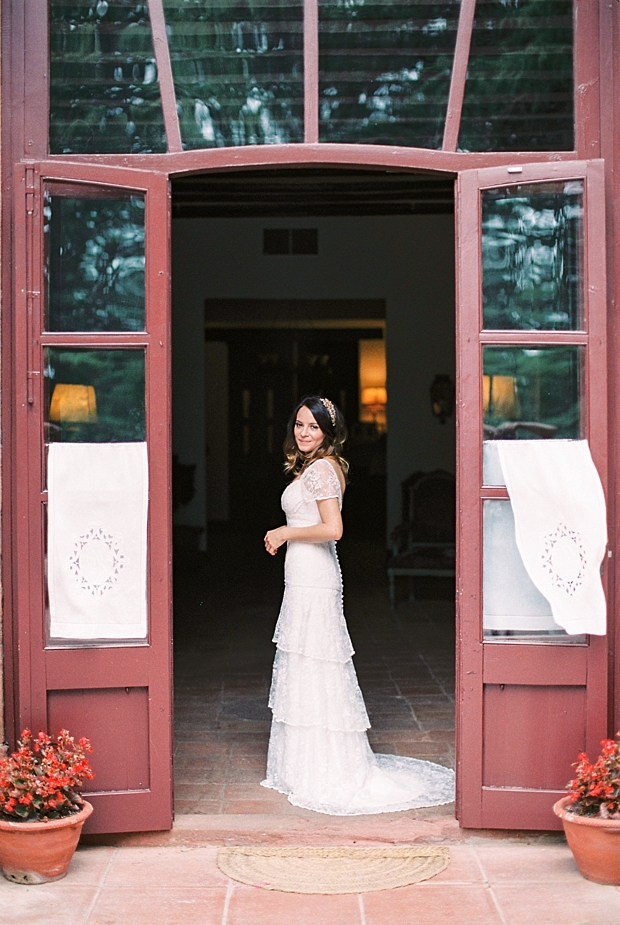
{"x": 590, "y": 814}
{"x": 41, "y": 812}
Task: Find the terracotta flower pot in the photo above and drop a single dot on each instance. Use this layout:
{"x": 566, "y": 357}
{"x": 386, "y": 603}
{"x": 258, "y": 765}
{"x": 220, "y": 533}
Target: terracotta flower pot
{"x": 37, "y": 852}
{"x": 595, "y": 844}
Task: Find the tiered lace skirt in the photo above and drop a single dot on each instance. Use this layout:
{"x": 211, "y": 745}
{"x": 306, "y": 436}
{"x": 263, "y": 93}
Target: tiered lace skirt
{"x": 319, "y": 754}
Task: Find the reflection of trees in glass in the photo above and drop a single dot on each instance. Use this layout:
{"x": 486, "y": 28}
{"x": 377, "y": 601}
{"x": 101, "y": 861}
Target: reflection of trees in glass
{"x": 95, "y": 264}
{"x": 519, "y": 91}
{"x": 238, "y": 70}
{"x": 384, "y": 70}
{"x": 532, "y": 239}
{"x": 547, "y": 384}
{"x": 104, "y": 88}
{"x": 118, "y": 379}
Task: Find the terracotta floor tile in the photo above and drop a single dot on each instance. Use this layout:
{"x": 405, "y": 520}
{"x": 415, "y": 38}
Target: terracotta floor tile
{"x": 393, "y": 722}
{"x": 411, "y": 735}
{"x": 247, "y": 762}
{"x": 188, "y": 762}
{"x": 253, "y": 790}
{"x": 211, "y": 769}
{"x": 201, "y": 778}
{"x": 423, "y": 749}
{"x": 247, "y": 739}
{"x": 384, "y": 748}
{"x": 186, "y": 791}
{"x": 165, "y": 868}
{"x": 63, "y": 902}
{"x": 184, "y": 807}
{"x": 200, "y": 732}
{"x": 207, "y": 807}
{"x": 438, "y": 724}
{"x": 89, "y": 864}
{"x": 209, "y": 748}
{"x": 127, "y": 906}
{"x": 250, "y": 750}
{"x": 428, "y": 699}
{"x": 432, "y": 715}
{"x": 239, "y": 775}
{"x": 441, "y": 735}
{"x": 433, "y": 903}
{"x": 463, "y": 867}
{"x": 253, "y": 906}
{"x": 583, "y": 903}
{"x": 199, "y": 791}
{"x": 528, "y": 863}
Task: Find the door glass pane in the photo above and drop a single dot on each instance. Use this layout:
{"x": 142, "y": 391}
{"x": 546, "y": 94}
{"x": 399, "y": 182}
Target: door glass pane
{"x": 532, "y": 257}
{"x": 514, "y": 609}
{"x": 384, "y": 71}
{"x": 94, "y": 396}
{"x": 104, "y": 91}
{"x": 94, "y": 263}
{"x": 530, "y": 393}
{"x": 238, "y": 71}
{"x": 519, "y": 90}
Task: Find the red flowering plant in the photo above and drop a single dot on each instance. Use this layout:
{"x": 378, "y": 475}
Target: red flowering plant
{"x": 595, "y": 791}
{"x": 39, "y": 781}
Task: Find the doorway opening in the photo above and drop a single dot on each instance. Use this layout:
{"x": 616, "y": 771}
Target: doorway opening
{"x": 288, "y": 283}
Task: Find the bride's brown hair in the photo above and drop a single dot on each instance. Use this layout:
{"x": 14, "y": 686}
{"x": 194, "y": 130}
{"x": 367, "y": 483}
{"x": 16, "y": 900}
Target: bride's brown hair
{"x": 334, "y": 430}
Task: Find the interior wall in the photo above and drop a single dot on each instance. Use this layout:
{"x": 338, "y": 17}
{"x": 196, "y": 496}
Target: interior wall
{"x": 406, "y": 260}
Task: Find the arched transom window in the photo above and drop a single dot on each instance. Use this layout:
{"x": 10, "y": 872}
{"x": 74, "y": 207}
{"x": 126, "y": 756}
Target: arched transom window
{"x": 457, "y": 75}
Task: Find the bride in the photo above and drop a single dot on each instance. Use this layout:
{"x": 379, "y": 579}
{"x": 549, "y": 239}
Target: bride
{"x": 319, "y": 754}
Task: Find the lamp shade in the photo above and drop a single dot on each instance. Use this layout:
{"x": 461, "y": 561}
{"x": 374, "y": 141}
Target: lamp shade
{"x": 499, "y": 397}
{"x": 73, "y": 404}
{"x": 374, "y": 396}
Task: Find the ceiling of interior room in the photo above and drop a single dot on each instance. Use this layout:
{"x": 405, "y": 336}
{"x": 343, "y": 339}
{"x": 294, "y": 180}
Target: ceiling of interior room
{"x": 311, "y": 192}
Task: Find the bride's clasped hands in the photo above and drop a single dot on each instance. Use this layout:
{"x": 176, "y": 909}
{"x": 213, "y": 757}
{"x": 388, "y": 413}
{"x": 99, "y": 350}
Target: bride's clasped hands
{"x": 274, "y": 539}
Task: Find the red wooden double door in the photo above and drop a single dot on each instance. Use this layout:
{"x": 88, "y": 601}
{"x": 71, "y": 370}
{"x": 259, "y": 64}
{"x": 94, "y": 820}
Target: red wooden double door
{"x": 92, "y": 371}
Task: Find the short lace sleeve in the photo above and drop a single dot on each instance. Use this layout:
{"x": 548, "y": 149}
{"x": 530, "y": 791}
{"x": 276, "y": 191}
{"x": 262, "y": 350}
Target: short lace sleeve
{"x": 321, "y": 482}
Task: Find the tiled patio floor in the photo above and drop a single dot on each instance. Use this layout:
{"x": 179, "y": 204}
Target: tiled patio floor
{"x": 404, "y": 660}
{"x": 486, "y": 883}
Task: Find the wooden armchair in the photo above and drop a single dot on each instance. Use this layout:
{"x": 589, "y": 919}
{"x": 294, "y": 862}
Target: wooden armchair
{"x": 423, "y": 545}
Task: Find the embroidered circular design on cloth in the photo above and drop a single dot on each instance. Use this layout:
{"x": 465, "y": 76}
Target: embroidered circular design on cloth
{"x": 96, "y": 561}
{"x": 564, "y": 558}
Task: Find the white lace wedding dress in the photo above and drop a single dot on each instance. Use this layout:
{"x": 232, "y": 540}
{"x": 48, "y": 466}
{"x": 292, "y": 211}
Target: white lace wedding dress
{"x": 319, "y": 754}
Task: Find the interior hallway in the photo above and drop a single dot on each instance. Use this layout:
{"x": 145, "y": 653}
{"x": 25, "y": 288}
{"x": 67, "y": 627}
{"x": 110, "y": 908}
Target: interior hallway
{"x": 226, "y": 606}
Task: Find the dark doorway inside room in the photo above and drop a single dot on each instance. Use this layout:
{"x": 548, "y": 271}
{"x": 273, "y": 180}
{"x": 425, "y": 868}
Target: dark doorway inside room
{"x": 288, "y": 283}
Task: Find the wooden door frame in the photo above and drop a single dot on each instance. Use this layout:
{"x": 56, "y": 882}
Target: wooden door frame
{"x": 102, "y": 174}
{"x": 24, "y": 137}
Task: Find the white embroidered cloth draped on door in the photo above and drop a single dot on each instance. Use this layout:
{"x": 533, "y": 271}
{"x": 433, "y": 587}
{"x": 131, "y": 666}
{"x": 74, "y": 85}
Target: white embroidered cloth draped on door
{"x": 98, "y": 502}
{"x": 560, "y": 526}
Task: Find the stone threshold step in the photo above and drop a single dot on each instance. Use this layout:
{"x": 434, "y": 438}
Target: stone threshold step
{"x": 193, "y": 830}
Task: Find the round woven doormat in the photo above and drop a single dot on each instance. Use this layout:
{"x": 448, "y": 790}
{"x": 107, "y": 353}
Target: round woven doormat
{"x": 331, "y": 870}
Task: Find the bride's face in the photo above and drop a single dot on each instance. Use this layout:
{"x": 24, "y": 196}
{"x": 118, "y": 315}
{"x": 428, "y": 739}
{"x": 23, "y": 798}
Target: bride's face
{"x": 308, "y": 434}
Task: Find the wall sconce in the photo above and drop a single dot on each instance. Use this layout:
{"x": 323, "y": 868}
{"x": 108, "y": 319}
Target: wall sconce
{"x": 73, "y": 404}
{"x": 499, "y": 397}
{"x": 443, "y": 396}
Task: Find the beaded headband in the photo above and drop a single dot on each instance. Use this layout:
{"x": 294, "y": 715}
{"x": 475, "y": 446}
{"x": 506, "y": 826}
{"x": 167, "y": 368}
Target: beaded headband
{"x": 331, "y": 410}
